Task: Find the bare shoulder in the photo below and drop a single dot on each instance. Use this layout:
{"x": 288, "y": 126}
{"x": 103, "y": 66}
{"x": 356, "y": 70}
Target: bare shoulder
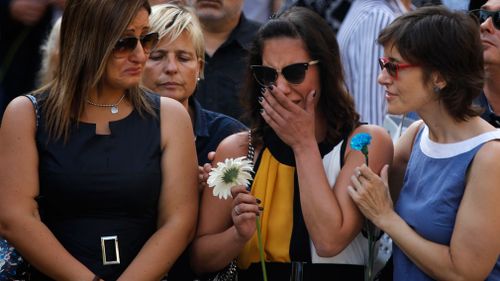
{"x": 482, "y": 181}
{"x": 381, "y": 140}
{"x": 173, "y": 113}
{"x": 405, "y": 143}
{"x": 19, "y": 116}
{"x": 411, "y": 131}
{"x": 171, "y": 107}
{"x": 175, "y": 123}
{"x": 235, "y": 145}
{"x": 483, "y": 176}
{"x": 488, "y": 155}
{"x": 374, "y": 130}
{"x": 381, "y": 148}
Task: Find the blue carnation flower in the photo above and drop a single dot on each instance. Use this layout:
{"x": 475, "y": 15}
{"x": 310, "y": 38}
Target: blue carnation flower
{"x": 361, "y": 141}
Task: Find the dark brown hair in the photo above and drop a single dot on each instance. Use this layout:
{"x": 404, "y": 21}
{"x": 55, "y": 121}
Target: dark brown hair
{"x": 335, "y": 103}
{"x": 446, "y": 42}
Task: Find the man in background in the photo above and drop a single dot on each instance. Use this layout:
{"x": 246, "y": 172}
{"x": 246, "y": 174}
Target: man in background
{"x": 360, "y": 52}
{"x": 490, "y": 36}
{"x": 228, "y": 35}
{"x": 261, "y": 10}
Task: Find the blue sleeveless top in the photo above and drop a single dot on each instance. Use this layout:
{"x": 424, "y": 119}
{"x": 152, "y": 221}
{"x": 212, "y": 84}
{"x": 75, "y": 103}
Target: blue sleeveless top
{"x": 99, "y": 193}
{"x": 432, "y": 191}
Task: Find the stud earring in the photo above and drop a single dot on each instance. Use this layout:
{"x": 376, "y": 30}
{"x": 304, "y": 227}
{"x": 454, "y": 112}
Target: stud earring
{"x": 436, "y": 90}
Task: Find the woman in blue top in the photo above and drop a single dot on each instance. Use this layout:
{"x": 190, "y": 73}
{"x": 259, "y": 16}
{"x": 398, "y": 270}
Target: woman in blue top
{"x": 446, "y": 224}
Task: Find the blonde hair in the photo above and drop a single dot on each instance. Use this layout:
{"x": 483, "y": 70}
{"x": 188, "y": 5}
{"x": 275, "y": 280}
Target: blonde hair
{"x": 171, "y": 20}
{"x": 89, "y": 32}
{"x": 50, "y": 55}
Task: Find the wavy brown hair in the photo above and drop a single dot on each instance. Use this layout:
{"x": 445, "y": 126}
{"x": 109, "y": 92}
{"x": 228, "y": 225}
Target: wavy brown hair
{"x": 335, "y": 103}
{"x": 443, "y": 41}
{"x": 89, "y": 32}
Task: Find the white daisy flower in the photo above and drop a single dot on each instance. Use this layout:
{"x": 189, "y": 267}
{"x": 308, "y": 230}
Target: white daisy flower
{"x": 229, "y": 173}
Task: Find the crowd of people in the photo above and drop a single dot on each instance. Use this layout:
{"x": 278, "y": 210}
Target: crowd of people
{"x": 105, "y": 152}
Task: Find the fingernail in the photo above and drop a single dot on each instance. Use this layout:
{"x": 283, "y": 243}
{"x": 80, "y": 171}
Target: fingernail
{"x": 260, "y": 99}
{"x": 261, "y": 111}
{"x": 314, "y": 94}
{"x": 261, "y": 208}
{"x": 258, "y": 200}
{"x": 270, "y": 87}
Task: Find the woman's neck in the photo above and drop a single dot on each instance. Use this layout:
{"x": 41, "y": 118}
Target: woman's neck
{"x": 105, "y": 96}
{"x": 443, "y": 128}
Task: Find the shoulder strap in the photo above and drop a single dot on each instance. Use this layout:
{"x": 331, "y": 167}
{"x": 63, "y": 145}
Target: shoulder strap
{"x": 251, "y": 156}
{"x": 35, "y": 106}
{"x": 251, "y": 149}
{"x": 342, "y": 152}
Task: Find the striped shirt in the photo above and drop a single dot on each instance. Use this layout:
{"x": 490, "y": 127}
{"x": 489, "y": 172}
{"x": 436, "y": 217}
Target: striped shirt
{"x": 359, "y": 49}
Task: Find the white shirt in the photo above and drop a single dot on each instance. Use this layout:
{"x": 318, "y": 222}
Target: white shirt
{"x": 360, "y": 51}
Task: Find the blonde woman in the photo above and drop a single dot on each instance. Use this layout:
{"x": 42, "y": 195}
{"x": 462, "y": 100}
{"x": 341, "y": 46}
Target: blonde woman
{"x": 173, "y": 70}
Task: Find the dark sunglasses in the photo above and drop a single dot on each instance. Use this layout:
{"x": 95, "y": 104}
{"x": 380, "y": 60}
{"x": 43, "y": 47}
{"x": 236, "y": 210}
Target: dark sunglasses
{"x": 293, "y": 73}
{"x": 126, "y": 45}
{"x": 483, "y": 15}
{"x": 393, "y": 67}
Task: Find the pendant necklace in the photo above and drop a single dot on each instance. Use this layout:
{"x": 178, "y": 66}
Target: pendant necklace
{"x": 113, "y": 107}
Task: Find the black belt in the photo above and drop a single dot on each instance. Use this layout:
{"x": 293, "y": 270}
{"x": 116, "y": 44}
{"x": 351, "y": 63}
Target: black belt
{"x": 309, "y": 272}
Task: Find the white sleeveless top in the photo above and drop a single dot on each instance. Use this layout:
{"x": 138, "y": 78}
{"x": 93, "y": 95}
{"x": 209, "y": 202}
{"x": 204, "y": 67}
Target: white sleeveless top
{"x": 357, "y": 251}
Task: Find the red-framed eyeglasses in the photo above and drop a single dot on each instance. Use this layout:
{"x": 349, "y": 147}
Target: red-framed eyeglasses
{"x": 393, "y": 67}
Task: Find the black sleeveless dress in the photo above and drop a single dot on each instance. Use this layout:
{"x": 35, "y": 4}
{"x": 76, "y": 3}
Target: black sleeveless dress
{"x": 99, "y": 193}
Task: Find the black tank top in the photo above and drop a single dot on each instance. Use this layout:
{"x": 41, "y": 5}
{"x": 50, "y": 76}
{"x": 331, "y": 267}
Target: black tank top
{"x": 98, "y": 189}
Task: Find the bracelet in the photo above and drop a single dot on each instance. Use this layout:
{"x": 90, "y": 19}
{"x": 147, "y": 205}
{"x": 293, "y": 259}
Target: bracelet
{"x": 96, "y": 278}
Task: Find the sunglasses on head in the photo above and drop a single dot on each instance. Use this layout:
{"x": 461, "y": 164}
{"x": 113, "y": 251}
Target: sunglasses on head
{"x": 126, "y": 45}
{"x": 483, "y": 15}
{"x": 293, "y": 73}
{"x": 393, "y": 67}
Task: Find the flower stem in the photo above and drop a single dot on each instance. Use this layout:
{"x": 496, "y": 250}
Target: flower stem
{"x": 371, "y": 231}
{"x": 261, "y": 250}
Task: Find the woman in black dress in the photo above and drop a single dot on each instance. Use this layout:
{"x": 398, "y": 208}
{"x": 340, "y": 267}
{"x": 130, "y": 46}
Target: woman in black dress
{"x": 103, "y": 174}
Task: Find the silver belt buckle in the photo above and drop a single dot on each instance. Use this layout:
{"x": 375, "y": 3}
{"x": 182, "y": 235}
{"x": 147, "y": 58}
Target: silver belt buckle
{"x": 105, "y": 260}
